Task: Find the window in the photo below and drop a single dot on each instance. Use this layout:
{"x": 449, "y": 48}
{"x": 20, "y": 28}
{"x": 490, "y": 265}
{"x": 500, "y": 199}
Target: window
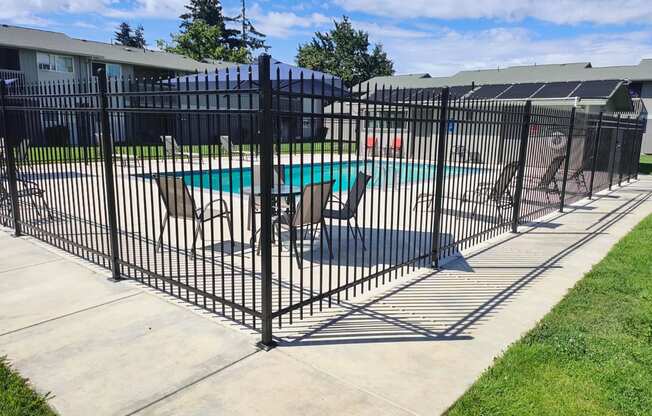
{"x": 113, "y": 70}
{"x": 58, "y": 63}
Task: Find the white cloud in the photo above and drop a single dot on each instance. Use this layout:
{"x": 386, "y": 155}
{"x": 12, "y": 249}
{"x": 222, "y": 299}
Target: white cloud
{"x": 447, "y": 51}
{"x": 285, "y": 24}
{"x": 555, "y": 11}
{"x": 30, "y": 12}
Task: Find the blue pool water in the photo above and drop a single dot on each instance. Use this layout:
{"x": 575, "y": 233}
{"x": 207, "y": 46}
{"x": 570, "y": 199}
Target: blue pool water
{"x": 385, "y": 173}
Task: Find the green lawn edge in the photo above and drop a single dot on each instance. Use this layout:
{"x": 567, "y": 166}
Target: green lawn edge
{"x": 591, "y": 355}
{"x": 17, "y": 398}
{"x": 645, "y": 164}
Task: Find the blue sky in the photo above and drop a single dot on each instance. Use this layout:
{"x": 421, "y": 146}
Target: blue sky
{"x": 439, "y": 37}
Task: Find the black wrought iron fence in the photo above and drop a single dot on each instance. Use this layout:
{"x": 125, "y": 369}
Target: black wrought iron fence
{"x": 265, "y": 195}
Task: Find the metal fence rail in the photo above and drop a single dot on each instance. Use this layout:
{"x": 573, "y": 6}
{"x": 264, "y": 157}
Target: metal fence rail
{"x": 265, "y": 196}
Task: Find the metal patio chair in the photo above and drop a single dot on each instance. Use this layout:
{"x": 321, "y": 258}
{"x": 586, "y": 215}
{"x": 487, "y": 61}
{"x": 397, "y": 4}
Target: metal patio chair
{"x": 28, "y": 190}
{"x": 254, "y": 200}
{"x": 348, "y": 211}
{"x": 547, "y": 183}
{"x": 496, "y": 192}
{"x": 180, "y": 204}
{"x": 174, "y": 150}
{"x": 309, "y": 211}
{"x": 227, "y": 145}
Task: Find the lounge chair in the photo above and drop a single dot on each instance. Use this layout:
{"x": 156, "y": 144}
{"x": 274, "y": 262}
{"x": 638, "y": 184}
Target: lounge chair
{"x": 227, "y": 147}
{"x": 180, "y": 204}
{"x": 547, "y": 183}
{"x": 497, "y": 192}
{"x": 348, "y": 211}
{"x": 309, "y": 211}
{"x": 119, "y": 156}
{"x": 174, "y": 150}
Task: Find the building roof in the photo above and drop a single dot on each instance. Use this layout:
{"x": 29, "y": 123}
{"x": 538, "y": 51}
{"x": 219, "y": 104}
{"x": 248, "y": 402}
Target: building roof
{"x": 57, "y": 42}
{"x": 577, "y": 71}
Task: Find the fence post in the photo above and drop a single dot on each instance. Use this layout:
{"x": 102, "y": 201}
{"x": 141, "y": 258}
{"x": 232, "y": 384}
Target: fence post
{"x": 639, "y": 144}
{"x": 612, "y": 156}
{"x": 598, "y": 133}
{"x": 10, "y": 161}
{"x": 569, "y": 143}
{"x": 637, "y": 147}
{"x": 522, "y": 155}
{"x": 265, "y": 141}
{"x": 439, "y": 184}
{"x": 109, "y": 181}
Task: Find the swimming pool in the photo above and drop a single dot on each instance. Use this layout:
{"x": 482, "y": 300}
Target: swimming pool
{"x": 385, "y": 173}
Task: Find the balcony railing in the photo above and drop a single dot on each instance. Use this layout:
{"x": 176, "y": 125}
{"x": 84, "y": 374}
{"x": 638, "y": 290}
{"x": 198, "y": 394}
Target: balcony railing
{"x": 9, "y": 74}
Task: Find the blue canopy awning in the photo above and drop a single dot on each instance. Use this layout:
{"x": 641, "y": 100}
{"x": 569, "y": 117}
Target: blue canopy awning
{"x": 284, "y": 77}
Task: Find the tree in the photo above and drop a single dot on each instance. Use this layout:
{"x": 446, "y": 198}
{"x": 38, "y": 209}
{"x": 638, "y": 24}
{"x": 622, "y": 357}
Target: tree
{"x": 344, "y": 51}
{"x": 125, "y": 36}
{"x": 250, "y": 38}
{"x": 200, "y": 41}
{"x": 204, "y": 35}
{"x": 139, "y": 37}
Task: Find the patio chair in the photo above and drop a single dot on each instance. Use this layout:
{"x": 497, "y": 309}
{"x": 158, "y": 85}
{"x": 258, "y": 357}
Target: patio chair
{"x": 547, "y": 183}
{"x": 459, "y": 153}
{"x": 309, "y": 211}
{"x": 497, "y": 192}
{"x": 348, "y": 211}
{"x": 395, "y": 147}
{"x": 180, "y": 204}
{"x": 29, "y": 190}
{"x": 174, "y": 149}
{"x": 254, "y": 200}
{"x": 227, "y": 146}
{"x": 371, "y": 145}
{"x": 119, "y": 156}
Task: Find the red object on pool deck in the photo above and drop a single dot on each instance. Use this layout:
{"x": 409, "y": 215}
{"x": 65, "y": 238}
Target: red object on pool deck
{"x": 371, "y": 142}
{"x": 397, "y": 143}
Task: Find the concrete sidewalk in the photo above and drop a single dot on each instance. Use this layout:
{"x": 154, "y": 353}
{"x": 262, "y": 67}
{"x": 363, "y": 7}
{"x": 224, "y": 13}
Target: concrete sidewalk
{"x": 107, "y": 348}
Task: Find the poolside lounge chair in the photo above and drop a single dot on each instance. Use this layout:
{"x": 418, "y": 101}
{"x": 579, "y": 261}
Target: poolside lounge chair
{"x": 547, "y": 183}
{"x": 119, "y": 156}
{"x": 174, "y": 150}
{"x": 497, "y": 192}
{"x": 227, "y": 147}
{"x": 180, "y": 204}
{"x": 348, "y": 211}
{"x": 309, "y": 211}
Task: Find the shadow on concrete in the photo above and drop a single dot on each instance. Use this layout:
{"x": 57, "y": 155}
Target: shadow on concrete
{"x": 444, "y": 305}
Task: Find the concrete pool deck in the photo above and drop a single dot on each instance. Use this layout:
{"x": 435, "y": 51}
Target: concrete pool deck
{"x": 413, "y": 347}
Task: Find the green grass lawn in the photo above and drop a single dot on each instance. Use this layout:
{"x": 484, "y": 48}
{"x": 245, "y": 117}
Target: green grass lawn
{"x": 645, "y": 166}
{"x": 591, "y": 355}
{"x": 17, "y": 398}
{"x": 79, "y": 154}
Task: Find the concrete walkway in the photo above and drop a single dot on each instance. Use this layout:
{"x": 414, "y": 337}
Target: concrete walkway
{"x": 105, "y": 348}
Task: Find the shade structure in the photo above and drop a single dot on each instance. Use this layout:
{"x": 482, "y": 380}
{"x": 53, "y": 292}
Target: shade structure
{"x": 284, "y": 77}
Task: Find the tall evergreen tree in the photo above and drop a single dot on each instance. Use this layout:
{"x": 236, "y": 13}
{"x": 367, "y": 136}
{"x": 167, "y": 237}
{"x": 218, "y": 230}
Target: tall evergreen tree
{"x": 127, "y": 37}
{"x": 344, "y": 51}
{"x": 139, "y": 37}
{"x": 123, "y": 35}
{"x": 204, "y": 34}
